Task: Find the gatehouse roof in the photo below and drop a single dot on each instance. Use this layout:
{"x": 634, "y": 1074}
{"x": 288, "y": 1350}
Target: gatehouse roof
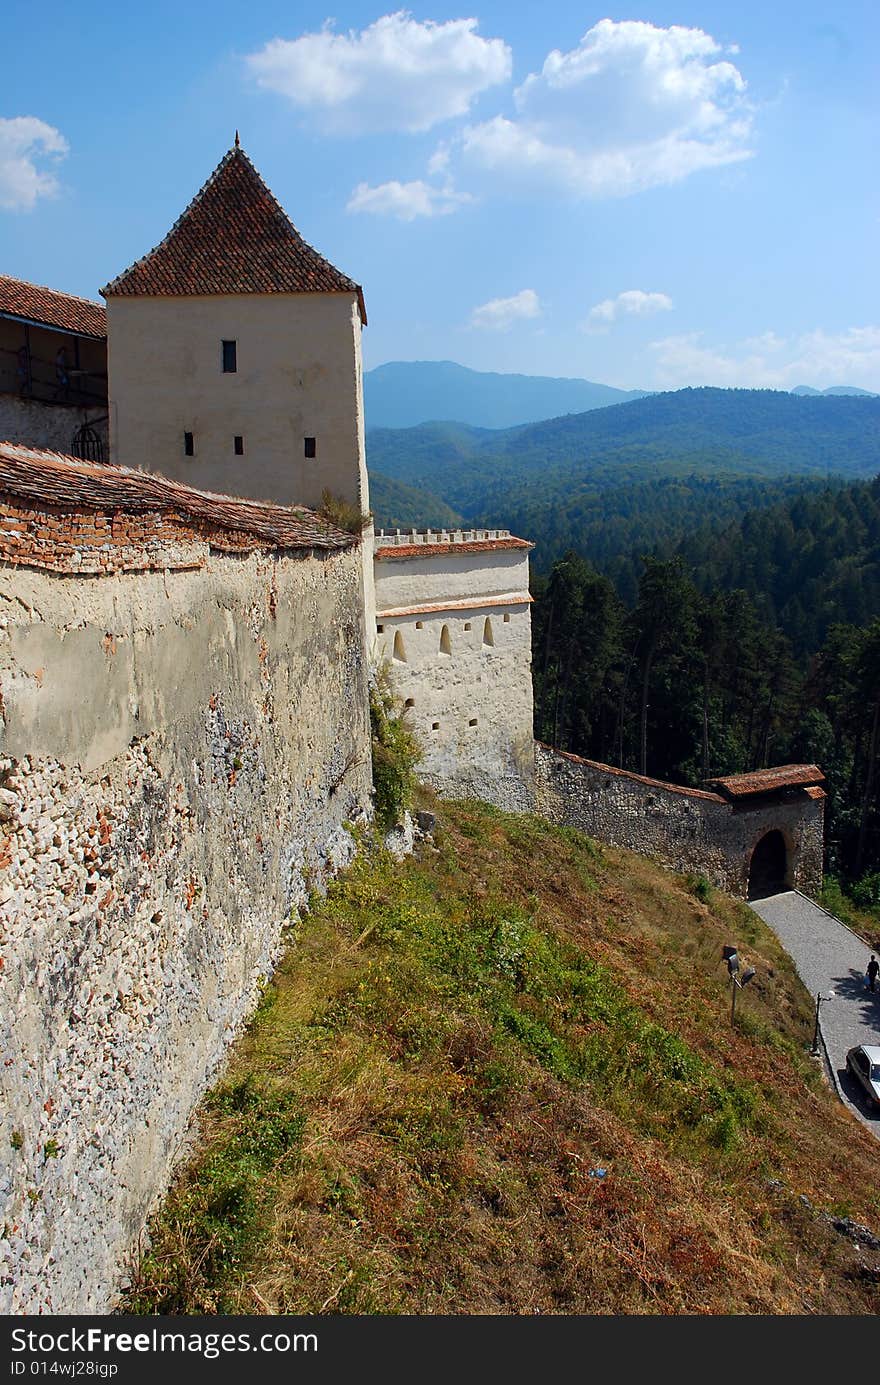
{"x": 768, "y": 780}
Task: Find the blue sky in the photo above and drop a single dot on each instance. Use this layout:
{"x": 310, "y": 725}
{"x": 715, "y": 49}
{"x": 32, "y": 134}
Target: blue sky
{"x": 649, "y": 197}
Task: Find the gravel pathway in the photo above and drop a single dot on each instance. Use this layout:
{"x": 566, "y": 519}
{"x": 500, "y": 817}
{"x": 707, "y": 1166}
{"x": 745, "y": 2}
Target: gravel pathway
{"x": 830, "y": 958}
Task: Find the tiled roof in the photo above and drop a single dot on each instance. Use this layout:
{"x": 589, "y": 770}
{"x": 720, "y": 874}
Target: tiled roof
{"x": 636, "y": 778}
{"x": 437, "y": 550}
{"x": 465, "y": 604}
{"x": 36, "y": 303}
{"x": 768, "y": 780}
{"x": 51, "y": 478}
{"x": 234, "y": 237}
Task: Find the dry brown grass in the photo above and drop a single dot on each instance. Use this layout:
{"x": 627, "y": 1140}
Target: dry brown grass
{"x": 451, "y": 1123}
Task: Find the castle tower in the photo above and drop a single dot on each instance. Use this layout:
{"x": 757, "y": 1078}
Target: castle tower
{"x": 234, "y": 353}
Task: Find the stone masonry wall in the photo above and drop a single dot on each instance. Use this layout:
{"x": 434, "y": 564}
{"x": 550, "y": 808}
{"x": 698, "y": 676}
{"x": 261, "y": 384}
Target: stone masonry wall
{"x": 48, "y": 425}
{"x": 684, "y": 829}
{"x": 180, "y": 753}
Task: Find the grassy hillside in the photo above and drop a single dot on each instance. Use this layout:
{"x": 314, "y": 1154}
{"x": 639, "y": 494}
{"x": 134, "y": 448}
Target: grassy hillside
{"x": 501, "y": 1078}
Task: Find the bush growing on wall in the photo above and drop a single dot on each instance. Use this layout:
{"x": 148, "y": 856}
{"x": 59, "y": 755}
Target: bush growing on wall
{"x": 396, "y": 752}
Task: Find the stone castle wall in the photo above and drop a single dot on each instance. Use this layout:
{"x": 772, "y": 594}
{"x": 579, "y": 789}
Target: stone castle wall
{"x": 684, "y": 829}
{"x": 48, "y": 425}
{"x": 181, "y": 750}
{"x": 452, "y": 613}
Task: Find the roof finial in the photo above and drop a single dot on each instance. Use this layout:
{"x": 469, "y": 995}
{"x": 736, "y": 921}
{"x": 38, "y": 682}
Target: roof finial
{"x": 237, "y": 141}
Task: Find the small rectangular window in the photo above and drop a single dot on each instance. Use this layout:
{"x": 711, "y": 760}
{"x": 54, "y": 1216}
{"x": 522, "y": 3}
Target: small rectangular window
{"x": 238, "y": 445}
{"x": 310, "y": 447}
{"x": 507, "y": 620}
{"x": 435, "y": 726}
{"x": 467, "y": 625}
{"x": 473, "y": 721}
{"x": 230, "y": 362}
{"x": 188, "y": 448}
{"x": 420, "y": 625}
{"x": 380, "y": 629}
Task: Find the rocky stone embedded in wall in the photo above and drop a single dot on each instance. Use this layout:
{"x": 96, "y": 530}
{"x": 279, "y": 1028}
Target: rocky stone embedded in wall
{"x": 182, "y": 753}
{"x": 49, "y": 425}
{"x": 684, "y": 829}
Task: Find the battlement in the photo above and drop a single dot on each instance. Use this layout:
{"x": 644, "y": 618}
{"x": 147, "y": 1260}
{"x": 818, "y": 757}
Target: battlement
{"x": 388, "y": 538}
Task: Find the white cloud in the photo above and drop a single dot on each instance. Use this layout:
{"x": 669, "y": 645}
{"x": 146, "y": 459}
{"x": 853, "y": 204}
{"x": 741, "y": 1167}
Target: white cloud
{"x": 397, "y": 74}
{"x": 632, "y": 302}
{"x": 632, "y": 107}
{"x": 405, "y": 201}
{"x": 500, "y": 313}
{"x": 819, "y": 358}
{"x": 23, "y": 141}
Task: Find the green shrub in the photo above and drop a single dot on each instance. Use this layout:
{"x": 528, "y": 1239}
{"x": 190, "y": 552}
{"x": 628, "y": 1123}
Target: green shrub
{"x": 699, "y": 887}
{"x": 396, "y": 752}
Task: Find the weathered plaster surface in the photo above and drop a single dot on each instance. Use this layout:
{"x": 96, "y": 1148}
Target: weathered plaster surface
{"x": 181, "y": 753}
{"x": 471, "y": 707}
{"x": 684, "y": 831}
{"x": 298, "y": 376}
{"x": 47, "y": 425}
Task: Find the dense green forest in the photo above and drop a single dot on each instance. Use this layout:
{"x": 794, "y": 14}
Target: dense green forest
{"x": 632, "y": 478}
{"x": 685, "y": 432}
{"x": 395, "y": 505}
{"x": 808, "y": 562}
{"x": 697, "y": 680}
{"x": 707, "y": 583}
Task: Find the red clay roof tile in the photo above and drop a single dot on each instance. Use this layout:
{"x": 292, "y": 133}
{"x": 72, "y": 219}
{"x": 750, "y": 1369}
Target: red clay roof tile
{"x": 768, "y": 780}
{"x": 635, "y": 778}
{"x": 66, "y": 482}
{"x": 234, "y": 237}
{"x": 51, "y": 308}
{"x": 437, "y": 550}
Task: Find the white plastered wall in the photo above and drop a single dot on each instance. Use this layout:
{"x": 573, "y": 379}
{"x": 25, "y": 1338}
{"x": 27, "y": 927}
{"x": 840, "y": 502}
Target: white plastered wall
{"x": 471, "y": 708}
{"x": 298, "y": 375}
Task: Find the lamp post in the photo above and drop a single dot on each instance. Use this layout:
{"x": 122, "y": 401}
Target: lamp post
{"x": 820, "y": 1000}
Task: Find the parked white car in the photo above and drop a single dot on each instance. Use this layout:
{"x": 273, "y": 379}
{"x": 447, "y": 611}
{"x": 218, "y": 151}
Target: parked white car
{"x": 863, "y": 1062}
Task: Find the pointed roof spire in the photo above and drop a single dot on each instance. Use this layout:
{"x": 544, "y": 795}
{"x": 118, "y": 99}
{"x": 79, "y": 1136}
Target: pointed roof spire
{"x": 234, "y": 237}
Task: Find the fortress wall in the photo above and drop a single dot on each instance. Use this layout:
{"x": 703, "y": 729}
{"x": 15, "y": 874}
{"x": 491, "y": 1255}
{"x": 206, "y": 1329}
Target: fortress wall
{"x": 180, "y": 752}
{"x": 684, "y": 829}
{"x": 471, "y": 700}
{"x": 47, "y": 425}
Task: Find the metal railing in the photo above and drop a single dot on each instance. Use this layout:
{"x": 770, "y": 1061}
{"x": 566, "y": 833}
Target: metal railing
{"x": 50, "y": 382}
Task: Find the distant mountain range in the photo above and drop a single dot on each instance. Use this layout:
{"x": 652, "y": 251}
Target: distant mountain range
{"x": 402, "y": 394}
{"x": 615, "y": 481}
{"x": 834, "y": 389}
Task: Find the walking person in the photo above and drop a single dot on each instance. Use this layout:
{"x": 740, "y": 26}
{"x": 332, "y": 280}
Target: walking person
{"x": 871, "y": 972}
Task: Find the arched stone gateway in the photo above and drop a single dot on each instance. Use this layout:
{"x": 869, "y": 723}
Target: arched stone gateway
{"x": 769, "y": 868}
{"x": 751, "y": 834}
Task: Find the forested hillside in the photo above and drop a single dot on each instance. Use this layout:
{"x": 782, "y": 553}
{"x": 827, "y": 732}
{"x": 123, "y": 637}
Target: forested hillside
{"x": 808, "y": 562}
{"x": 638, "y": 477}
{"x": 396, "y": 505}
{"x": 699, "y": 680}
{"x": 757, "y": 432}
